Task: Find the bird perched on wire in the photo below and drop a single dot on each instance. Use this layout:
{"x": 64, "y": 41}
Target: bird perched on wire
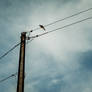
{"x": 41, "y": 26}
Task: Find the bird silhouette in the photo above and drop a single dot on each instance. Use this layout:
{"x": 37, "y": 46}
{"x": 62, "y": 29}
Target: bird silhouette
{"x": 41, "y": 26}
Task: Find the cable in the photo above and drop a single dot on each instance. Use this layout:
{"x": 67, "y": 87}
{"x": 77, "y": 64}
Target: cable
{"x": 44, "y": 34}
{"x": 62, "y": 19}
{"x": 61, "y": 27}
{"x": 12, "y": 75}
{"x": 9, "y": 51}
{"x": 68, "y": 17}
{"x": 6, "y": 53}
{"x": 46, "y": 26}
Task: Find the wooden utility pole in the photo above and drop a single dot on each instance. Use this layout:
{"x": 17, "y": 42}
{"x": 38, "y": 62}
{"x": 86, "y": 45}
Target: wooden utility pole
{"x": 21, "y": 70}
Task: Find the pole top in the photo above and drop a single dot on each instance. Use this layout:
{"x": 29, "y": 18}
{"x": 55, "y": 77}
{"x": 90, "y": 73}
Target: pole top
{"x": 23, "y": 33}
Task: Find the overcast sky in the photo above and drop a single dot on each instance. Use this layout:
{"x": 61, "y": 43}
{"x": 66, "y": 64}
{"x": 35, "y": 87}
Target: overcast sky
{"x": 57, "y": 62}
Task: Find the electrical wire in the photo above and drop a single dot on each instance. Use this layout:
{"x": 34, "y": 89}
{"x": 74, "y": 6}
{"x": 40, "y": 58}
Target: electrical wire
{"x": 46, "y": 26}
{"x": 61, "y": 27}
{"x": 44, "y": 34}
{"x": 62, "y": 19}
{"x": 12, "y": 75}
{"x": 6, "y": 53}
{"x": 32, "y": 38}
{"x": 68, "y": 17}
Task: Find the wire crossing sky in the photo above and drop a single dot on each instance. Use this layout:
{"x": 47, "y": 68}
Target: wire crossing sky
{"x": 12, "y": 75}
{"x": 64, "y": 18}
{"x": 38, "y": 36}
{"x": 62, "y": 27}
{"x": 49, "y": 25}
{"x": 12, "y": 49}
{"x": 44, "y": 34}
{"x": 9, "y": 51}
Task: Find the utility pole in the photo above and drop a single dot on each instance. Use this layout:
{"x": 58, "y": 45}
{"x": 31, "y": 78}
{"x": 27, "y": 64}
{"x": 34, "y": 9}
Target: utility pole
{"x": 21, "y": 69}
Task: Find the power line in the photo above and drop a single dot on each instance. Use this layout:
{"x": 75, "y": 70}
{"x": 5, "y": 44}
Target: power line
{"x": 44, "y": 34}
{"x": 6, "y": 53}
{"x": 61, "y": 27}
{"x": 63, "y": 19}
{"x": 46, "y": 26}
{"x": 68, "y": 17}
{"x": 12, "y": 75}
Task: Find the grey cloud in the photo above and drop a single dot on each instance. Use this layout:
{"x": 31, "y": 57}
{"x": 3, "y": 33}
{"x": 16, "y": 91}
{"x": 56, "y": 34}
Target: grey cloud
{"x": 85, "y": 59}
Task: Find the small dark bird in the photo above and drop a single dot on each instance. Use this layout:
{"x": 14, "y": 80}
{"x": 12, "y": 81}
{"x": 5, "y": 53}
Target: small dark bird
{"x": 41, "y": 26}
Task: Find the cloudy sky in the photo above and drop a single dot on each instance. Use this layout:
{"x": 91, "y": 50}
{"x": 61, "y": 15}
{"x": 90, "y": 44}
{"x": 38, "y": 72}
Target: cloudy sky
{"x": 57, "y": 62}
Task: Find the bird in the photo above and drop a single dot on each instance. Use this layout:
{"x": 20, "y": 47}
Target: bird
{"x": 41, "y": 26}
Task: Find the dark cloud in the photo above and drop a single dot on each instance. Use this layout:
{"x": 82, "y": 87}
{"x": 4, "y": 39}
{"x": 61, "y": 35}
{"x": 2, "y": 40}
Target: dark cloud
{"x": 48, "y": 84}
{"x": 85, "y": 59}
{"x": 5, "y": 4}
